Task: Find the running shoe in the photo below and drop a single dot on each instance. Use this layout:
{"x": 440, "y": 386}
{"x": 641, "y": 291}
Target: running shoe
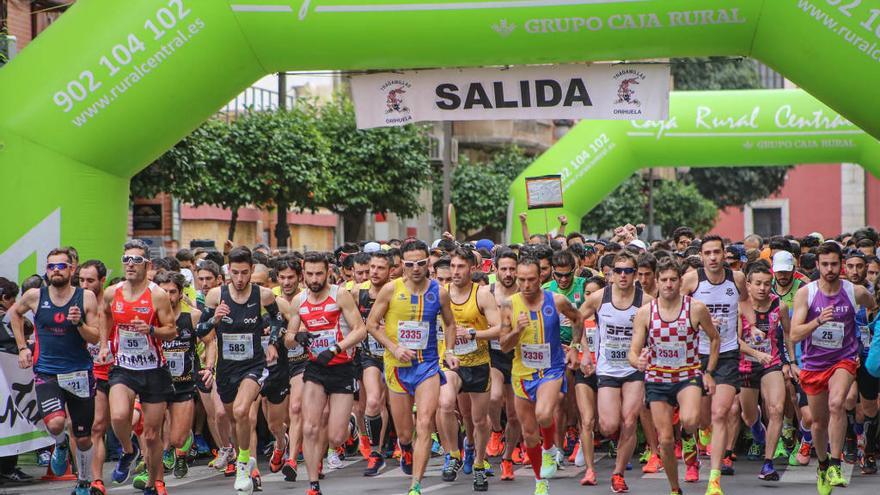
{"x": 487, "y": 466}
{"x": 333, "y": 461}
{"x": 835, "y": 476}
{"x": 792, "y": 458}
{"x": 560, "y": 458}
{"x": 375, "y": 463}
{"x": 579, "y": 460}
{"x": 44, "y": 457}
{"x": 160, "y": 489}
{"x": 781, "y": 451}
{"x": 59, "y": 462}
{"x": 180, "y": 467}
{"x": 768, "y": 472}
{"x": 16, "y": 476}
{"x": 589, "y": 478}
{"x": 574, "y": 453}
{"x": 276, "y": 461}
{"x": 224, "y": 456}
{"x": 140, "y": 467}
{"x": 243, "y": 481}
{"x": 313, "y": 492}
{"x": 415, "y": 489}
{"x": 570, "y": 440}
{"x": 201, "y": 446}
{"x": 150, "y": 490}
{"x": 289, "y": 470}
{"x": 230, "y": 470}
{"x": 507, "y": 470}
{"x": 397, "y": 454}
{"x": 364, "y": 447}
{"x": 850, "y": 449}
{"x": 139, "y": 482}
{"x": 612, "y": 448}
{"x": 123, "y": 467}
{"x": 406, "y": 462}
{"x": 436, "y": 447}
{"x": 803, "y": 455}
{"x": 714, "y": 487}
{"x": 168, "y": 460}
{"x": 705, "y": 436}
{"x": 692, "y": 472}
{"x": 256, "y": 477}
{"x": 542, "y": 487}
{"x": 822, "y": 485}
{"x": 82, "y": 488}
{"x": 676, "y": 492}
{"x": 548, "y": 463}
{"x": 654, "y": 464}
{"x": 481, "y": 481}
{"x": 496, "y": 444}
{"x": 97, "y": 488}
{"x": 618, "y": 484}
{"x": 646, "y": 454}
{"x": 517, "y": 456}
{"x": 727, "y": 468}
{"x": 869, "y": 464}
{"x": 756, "y": 451}
{"x": 451, "y": 469}
{"x": 469, "y": 455}
{"x": 689, "y": 450}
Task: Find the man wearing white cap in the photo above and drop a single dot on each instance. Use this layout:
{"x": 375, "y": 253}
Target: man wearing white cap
{"x": 639, "y": 245}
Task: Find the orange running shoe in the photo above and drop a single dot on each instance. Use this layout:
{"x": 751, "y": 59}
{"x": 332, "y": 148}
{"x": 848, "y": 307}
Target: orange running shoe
{"x": 618, "y": 485}
{"x": 574, "y": 452}
{"x": 230, "y": 470}
{"x": 654, "y": 464}
{"x": 507, "y": 470}
{"x": 276, "y": 461}
{"x": 365, "y": 446}
{"x": 692, "y": 472}
{"x": 159, "y": 485}
{"x": 313, "y": 492}
{"x": 496, "y": 445}
{"x": 289, "y": 470}
{"x": 517, "y": 456}
{"x": 589, "y": 478}
{"x": 98, "y": 488}
{"x": 397, "y": 452}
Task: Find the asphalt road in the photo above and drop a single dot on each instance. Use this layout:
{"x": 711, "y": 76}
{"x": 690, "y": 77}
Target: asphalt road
{"x": 349, "y": 480}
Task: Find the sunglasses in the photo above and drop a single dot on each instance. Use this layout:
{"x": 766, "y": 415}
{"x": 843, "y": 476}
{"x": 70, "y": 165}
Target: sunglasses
{"x": 563, "y": 275}
{"x": 627, "y": 270}
{"x": 410, "y": 264}
{"x": 133, "y": 260}
{"x": 57, "y": 266}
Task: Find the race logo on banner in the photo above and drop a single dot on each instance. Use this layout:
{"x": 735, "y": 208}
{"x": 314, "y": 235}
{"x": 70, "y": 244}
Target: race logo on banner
{"x": 21, "y": 428}
{"x": 610, "y": 92}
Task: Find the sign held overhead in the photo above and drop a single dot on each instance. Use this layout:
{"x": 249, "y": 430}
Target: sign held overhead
{"x": 602, "y": 92}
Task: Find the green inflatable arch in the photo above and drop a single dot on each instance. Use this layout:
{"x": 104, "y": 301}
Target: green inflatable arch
{"x": 113, "y": 84}
{"x": 704, "y": 129}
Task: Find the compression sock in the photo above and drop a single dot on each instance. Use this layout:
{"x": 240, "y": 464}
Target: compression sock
{"x": 535, "y": 456}
{"x": 806, "y": 433}
{"x": 870, "y": 434}
{"x": 244, "y": 455}
{"x": 549, "y": 436}
{"x": 759, "y": 433}
{"x": 374, "y": 428}
{"x": 84, "y": 463}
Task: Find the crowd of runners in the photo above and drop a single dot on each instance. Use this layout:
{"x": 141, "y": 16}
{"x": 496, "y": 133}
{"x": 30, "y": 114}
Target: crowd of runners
{"x": 490, "y": 355}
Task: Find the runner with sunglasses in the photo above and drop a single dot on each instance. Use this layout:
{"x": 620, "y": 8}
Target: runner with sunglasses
{"x": 621, "y": 387}
{"x": 65, "y": 320}
{"x": 567, "y": 283}
{"x": 141, "y": 317}
{"x": 410, "y": 307}
{"x": 530, "y": 327}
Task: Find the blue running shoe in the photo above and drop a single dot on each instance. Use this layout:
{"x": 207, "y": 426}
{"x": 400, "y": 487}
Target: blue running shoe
{"x": 58, "y": 462}
{"x": 629, "y": 466}
{"x": 123, "y": 467}
{"x": 469, "y": 454}
{"x": 82, "y": 488}
{"x": 202, "y": 447}
{"x": 436, "y": 448}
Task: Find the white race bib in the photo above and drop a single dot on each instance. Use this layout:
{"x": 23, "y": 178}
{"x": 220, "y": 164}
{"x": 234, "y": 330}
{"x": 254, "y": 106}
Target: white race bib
{"x": 828, "y": 335}
{"x": 264, "y": 343}
{"x": 76, "y": 383}
{"x": 321, "y": 341}
{"x": 761, "y": 346}
{"x": 591, "y": 338}
{"x": 175, "y": 362}
{"x": 134, "y": 351}
{"x": 465, "y": 345}
{"x": 616, "y": 352}
{"x": 536, "y": 356}
{"x": 413, "y": 334}
{"x": 495, "y": 344}
{"x": 670, "y": 355}
{"x": 374, "y": 346}
{"x": 238, "y": 346}
{"x": 295, "y": 352}
{"x": 866, "y": 337}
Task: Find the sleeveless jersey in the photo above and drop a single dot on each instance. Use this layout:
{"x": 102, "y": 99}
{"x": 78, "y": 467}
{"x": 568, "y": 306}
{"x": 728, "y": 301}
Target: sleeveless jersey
{"x": 469, "y": 315}
{"x": 296, "y": 353}
{"x": 722, "y": 300}
{"x": 411, "y": 321}
{"x": 365, "y": 304}
{"x": 575, "y": 294}
{"x": 59, "y": 347}
{"x": 239, "y": 332}
{"x": 132, "y": 350}
{"x": 788, "y": 299}
{"x": 768, "y": 322}
{"x": 180, "y": 351}
{"x": 324, "y": 320}
{"x": 539, "y": 348}
{"x": 614, "y": 334}
{"x": 864, "y": 331}
{"x": 673, "y": 344}
{"x": 835, "y": 340}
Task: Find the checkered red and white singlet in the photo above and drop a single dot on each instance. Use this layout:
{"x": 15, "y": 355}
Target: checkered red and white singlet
{"x": 672, "y": 342}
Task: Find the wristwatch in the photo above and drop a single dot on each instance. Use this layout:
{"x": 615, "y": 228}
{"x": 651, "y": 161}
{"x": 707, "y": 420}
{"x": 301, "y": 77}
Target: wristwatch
{"x": 472, "y": 333}
{"x": 335, "y": 349}
{"x": 576, "y": 347}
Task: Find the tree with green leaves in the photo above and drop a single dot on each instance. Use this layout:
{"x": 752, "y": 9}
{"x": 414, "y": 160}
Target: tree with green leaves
{"x": 677, "y": 204}
{"x": 378, "y": 170}
{"x": 727, "y": 186}
{"x": 626, "y": 204}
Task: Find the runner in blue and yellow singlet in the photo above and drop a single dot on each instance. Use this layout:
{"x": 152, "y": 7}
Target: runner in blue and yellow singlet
{"x": 530, "y": 326}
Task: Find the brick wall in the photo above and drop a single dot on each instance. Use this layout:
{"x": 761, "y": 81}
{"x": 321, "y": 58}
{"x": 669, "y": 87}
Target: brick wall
{"x": 18, "y": 21}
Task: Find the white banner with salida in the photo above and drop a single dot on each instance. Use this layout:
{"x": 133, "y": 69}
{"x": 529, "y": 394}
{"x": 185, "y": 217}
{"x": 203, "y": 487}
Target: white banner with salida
{"x": 602, "y": 92}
